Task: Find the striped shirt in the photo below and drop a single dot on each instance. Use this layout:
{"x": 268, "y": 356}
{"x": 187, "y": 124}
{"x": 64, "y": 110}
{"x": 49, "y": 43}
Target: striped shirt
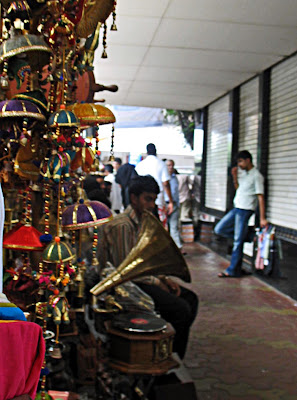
{"x": 119, "y": 236}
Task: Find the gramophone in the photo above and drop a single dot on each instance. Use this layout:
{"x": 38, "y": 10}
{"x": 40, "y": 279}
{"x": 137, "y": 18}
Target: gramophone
{"x": 154, "y": 253}
{"x": 146, "y": 350}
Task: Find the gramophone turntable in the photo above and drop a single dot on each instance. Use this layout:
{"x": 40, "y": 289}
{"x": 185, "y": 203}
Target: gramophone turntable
{"x": 141, "y": 323}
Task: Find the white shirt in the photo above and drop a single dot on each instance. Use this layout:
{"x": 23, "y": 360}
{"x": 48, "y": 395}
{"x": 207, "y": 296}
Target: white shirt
{"x": 250, "y": 185}
{"x": 115, "y": 193}
{"x": 151, "y": 165}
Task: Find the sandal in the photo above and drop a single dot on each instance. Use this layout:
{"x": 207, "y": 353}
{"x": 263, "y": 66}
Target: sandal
{"x": 225, "y": 275}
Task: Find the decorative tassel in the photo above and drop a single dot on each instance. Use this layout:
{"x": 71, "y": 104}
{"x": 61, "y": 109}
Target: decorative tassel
{"x": 23, "y": 137}
{"x": 47, "y": 237}
{"x": 114, "y": 15}
{"x": 104, "y": 54}
{"x": 94, "y": 248}
{"x": 111, "y": 157}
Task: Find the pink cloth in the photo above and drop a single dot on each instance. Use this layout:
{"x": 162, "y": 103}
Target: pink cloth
{"x": 22, "y": 351}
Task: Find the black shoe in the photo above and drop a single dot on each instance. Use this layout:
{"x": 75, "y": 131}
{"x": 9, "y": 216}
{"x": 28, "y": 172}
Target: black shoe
{"x": 245, "y": 272}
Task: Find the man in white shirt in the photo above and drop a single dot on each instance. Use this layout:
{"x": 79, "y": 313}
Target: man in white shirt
{"x": 115, "y": 194}
{"x": 151, "y": 165}
{"x": 249, "y": 191}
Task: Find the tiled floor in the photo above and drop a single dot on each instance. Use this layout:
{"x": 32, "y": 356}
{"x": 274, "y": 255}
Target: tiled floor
{"x": 243, "y": 344}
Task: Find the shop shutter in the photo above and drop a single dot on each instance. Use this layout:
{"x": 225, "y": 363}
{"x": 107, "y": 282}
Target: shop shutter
{"x": 282, "y": 160}
{"x": 249, "y": 118}
{"x": 219, "y": 142}
{"x": 248, "y": 131}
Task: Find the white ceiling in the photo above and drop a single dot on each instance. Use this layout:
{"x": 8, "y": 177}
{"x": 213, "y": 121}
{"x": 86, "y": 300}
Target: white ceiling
{"x": 183, "y": 54}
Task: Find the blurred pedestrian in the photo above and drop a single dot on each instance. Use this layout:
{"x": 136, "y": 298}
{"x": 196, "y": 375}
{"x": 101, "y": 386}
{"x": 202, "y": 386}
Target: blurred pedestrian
{"x": 95, "y": 188}
{"x": 185, "y": 198}
{"x": 115, "y": 193}
{"x": 173, "y": 218}
{"x": 125, "y": 173}
{"x": 117, "y": 162}
{"x": 151, "y": 165}
{"x": 196, "y": 191}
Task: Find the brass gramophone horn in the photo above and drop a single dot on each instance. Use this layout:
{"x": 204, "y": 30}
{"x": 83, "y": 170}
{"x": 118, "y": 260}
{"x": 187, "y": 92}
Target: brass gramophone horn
{"x": 155, "y": 253}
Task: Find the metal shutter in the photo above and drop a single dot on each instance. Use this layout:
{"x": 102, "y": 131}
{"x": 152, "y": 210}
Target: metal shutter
{"x": 282, "y": 161}
{"x": 248, "y": 131}
{"x": 249, "y": 118}
{"x": 219, "y": 142}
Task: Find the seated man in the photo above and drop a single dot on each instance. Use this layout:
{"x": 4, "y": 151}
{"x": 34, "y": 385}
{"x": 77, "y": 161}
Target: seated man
{"x": 176, "y": 304}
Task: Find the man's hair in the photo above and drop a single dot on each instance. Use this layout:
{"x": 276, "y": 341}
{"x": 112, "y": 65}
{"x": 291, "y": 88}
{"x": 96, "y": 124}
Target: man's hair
{"x": 171, "y": 161}
{"x": 141, "y": 184}
{"x": 244, "y": 154}
{"x": 151, "y": 149}
{"x": 108, "y": 168}
{"x": 118, "y": 160}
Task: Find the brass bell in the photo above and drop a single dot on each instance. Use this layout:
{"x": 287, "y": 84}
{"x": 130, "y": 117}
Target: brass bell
{"x": 113, "y": 27}
{"x": 79, "y": 277}
{"x": 95, "y": 261}
{"x": 104, "y": 54}
{"x": 4, "y": 83}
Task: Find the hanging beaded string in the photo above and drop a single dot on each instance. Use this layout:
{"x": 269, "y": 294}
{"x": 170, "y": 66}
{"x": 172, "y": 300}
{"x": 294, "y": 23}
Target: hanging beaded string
{"x": 104, "y": 54}
{"x": 111, "y": 157}
{"x": 28, "y": 195}
{"x": 97, "y": 138}
{"x": 63, "y": 77}
{"x": 24, "y": 200}
{"x": 50, "y": 78}
{"x": 28, "y": 83}
{"x": 5, "y": 67}
{"x": 1, "y": 25}
{"x": 41, "y": 307}
{"x": 23, "y": 137}
{"x": 51, "y": 106}
{"x": 46, "y": 208}
{"x": 73, "y": 239}
{"x": 94, "y": 248}
{"x": 43, "y": 379}
{"x": 27, "y": 221}
{"x": 114, "y": 15}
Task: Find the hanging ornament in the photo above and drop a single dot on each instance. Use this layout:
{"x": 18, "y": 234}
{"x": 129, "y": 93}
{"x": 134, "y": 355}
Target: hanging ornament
{"x": 90, "y": 114}
{"x": 104, "y": 54}
{"x": 111, "y": 157}
{"x": 114, "y": 15}
{"x": 24, "y": 237}
{"x": 57, "y": 251}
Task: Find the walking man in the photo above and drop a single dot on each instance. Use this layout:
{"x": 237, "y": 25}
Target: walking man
{"x": 151, "y": 165}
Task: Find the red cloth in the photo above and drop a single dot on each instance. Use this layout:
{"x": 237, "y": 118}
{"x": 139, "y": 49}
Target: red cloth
{"x": 22, "y": 351}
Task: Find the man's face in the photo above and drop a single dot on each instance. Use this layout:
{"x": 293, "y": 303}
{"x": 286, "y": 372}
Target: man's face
{"x": 145, "y": 201}
{"x": 243, "y": 163}
{"x": 170, "y": 167}
{"x": 115, "y": 165}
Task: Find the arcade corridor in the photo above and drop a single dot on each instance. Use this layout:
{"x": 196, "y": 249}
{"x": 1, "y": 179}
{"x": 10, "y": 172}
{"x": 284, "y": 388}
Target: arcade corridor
{"x": 243, "y": 343}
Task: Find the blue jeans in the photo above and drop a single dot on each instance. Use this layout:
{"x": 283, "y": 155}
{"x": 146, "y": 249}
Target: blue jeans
{"x": 172, "y": 221}
{"x": 235, "y": 225}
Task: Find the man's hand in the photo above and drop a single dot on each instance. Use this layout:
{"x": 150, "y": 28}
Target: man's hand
{"x": 263, "y": 222}
{"x": 170, "y": 286}
{"x": 170, "y": 208}
{"x": 234, "y": 173}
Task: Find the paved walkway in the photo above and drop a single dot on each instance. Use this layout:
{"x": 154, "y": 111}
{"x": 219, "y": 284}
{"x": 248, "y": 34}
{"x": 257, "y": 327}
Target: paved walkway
{"x": 243, "y": 344}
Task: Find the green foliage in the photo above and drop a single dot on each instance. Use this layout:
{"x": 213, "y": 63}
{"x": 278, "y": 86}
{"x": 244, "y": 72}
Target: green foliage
{"x": 185, "y": 119}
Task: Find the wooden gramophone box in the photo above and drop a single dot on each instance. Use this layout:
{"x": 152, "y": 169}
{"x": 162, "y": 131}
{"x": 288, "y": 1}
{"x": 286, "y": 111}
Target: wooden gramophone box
{"x": 141, "y": 352}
